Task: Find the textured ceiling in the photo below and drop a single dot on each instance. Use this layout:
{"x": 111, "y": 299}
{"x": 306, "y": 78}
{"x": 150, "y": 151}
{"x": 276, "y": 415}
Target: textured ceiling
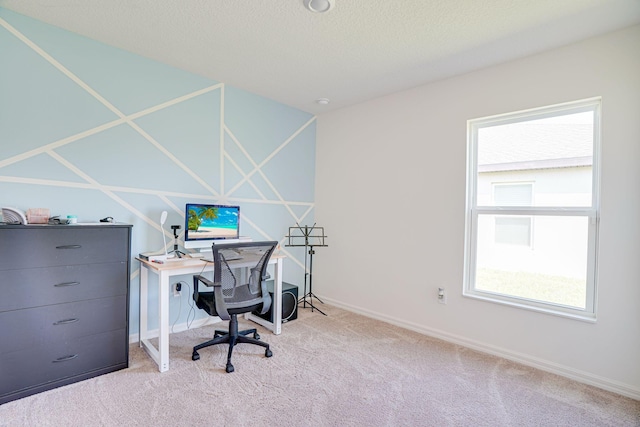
{"x": 361, "y": 49}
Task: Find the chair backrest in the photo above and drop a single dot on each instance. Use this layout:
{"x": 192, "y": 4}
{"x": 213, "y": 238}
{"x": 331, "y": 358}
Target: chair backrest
{"x": 239, "y": 288}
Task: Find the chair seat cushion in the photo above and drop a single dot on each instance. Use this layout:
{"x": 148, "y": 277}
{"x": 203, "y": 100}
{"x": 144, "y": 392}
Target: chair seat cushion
{"x": 205, "y": 301}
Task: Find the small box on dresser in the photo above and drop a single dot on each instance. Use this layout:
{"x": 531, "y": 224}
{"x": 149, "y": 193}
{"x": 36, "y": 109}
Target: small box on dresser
{"x": 64, "y": 310}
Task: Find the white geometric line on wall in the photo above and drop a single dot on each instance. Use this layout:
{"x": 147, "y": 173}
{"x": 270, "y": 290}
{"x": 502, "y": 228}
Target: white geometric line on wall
{"x": 46, "y": 182}
{"x": 239, "y": 169}
{"x": 257, "y": 167}
{"x": 178, "y": 210}
{"x": 61, "y": 68}
{"x": 230, "y": 158}
{"x": 94, "y": 184}
{"x": 174, "y": 101}
{"x": 111, "y": 194}
{"x": 104, "y": 127}
{"x": 59, "y": 143}
{"x": 173, "y": 158}
{"x": 137, "y": 190}
{"x": 246, "y": 155}
{"x": 308, "y": 211}
{"x": 260, "y": 231}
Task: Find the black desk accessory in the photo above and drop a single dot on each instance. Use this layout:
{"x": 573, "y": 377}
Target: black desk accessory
{"x": 175, "y": 249}
{"x": 311, "y": 240}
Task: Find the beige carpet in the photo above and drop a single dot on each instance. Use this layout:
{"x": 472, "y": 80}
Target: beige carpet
{"x": 340, "y": 370}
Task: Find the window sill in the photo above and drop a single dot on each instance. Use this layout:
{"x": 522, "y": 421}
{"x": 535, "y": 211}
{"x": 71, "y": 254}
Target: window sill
{"x": 559, "y": 311}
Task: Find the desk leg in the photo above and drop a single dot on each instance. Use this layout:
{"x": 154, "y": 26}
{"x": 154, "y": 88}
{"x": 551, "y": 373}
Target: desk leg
{"x": 143, "y": 295}
{"x": 163, "y": 309}
{"x": 276, "y": 304}
{"x": 277, "y": 300}
{"x": 159, "y": 355}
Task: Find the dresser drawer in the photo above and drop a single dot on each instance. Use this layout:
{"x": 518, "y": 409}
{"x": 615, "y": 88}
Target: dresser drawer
{"x": 35, "y": 366}
{"x": 39, "y": 246}
{"x": 53, "y": 285}
{"x": 25, "y": 330}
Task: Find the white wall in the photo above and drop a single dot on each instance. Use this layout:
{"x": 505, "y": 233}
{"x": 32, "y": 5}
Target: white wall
{"x": 391, "y": 178}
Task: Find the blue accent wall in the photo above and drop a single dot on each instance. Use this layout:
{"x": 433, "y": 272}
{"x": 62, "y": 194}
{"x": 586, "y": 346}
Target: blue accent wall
{"x": 94, "y": 131}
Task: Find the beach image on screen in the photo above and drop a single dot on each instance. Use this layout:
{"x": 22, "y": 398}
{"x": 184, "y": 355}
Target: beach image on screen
{"x": 212, "y": 222}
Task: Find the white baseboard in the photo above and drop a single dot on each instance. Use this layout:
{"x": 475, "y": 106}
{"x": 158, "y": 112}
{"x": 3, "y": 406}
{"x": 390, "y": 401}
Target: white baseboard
{"x": 525, "y": 359}
{"x": 181, "y": 327}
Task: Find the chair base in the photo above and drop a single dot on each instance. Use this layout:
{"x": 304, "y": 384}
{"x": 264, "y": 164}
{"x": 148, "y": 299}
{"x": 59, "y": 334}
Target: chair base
{"x": 232, "y": 337}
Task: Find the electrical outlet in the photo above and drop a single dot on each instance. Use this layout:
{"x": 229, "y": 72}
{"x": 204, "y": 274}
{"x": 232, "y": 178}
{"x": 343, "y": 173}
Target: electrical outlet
{"x": 177, "y": 287}
{"x": 442, "y": 296}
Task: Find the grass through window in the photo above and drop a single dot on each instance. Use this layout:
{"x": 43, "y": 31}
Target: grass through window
{"x": 554, "y": 289}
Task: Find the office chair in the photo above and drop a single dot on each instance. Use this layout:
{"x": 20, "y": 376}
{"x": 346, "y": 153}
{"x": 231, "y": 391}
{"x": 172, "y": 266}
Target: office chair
{"x": 238, "y": 287}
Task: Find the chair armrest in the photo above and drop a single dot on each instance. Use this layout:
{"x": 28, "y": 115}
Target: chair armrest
{"x": 218, "y": 298}
{"x": 198, "y": 278}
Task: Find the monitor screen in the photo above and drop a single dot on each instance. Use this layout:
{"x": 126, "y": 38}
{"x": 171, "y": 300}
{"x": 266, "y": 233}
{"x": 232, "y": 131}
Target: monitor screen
{"x": 207, "y": 223}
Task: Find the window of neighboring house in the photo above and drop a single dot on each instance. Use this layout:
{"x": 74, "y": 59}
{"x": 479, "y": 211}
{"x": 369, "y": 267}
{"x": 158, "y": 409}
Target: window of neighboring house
{"x": 513, "y": 230}
{"x": 550, "y": 267}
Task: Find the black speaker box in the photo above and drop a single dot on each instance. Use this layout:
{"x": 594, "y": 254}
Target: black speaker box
{"x": 289, "y": 303}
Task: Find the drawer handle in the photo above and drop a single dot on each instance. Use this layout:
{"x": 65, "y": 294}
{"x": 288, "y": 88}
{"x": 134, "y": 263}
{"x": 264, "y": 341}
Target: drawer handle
{"x": 65, "y": 358}
{"x": 69, "y": 247}
{"x": 66, "y": 321}
{"x": 60, "y": 285}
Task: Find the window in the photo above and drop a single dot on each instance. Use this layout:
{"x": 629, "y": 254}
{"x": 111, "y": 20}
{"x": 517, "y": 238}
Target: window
{"x": 532, "y": 208}
{"x": 513, "y": 230}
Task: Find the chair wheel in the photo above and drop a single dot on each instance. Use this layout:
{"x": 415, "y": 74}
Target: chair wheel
{"x": 256, "y": 336}
{"x": 229, "y": 368}
{"x": 268, "y": 353}
{"x": 195, "y": 356}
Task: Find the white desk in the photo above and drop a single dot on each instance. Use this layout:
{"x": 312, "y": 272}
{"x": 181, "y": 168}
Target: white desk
{"x": 189, "y": 267}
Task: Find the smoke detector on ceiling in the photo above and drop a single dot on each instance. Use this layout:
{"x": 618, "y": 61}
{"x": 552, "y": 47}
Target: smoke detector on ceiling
{"x": 319, "y": 6}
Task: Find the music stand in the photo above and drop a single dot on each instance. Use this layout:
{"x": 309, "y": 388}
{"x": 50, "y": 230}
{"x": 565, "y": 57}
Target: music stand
{"x": 311, "y": 240}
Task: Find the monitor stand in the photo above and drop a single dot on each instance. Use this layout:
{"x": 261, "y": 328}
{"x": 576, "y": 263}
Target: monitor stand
{"x": 207, "y": 247}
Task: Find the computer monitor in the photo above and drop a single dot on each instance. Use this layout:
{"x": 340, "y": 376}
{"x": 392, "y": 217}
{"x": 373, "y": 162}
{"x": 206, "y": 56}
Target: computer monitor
{"x": 207, "y": 224}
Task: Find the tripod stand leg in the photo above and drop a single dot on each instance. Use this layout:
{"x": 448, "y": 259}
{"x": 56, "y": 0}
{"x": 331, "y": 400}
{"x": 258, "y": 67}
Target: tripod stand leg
{"x": 310, "y": 294}
{"x": 304, "y": 302}
{"x": 178, "y": 253}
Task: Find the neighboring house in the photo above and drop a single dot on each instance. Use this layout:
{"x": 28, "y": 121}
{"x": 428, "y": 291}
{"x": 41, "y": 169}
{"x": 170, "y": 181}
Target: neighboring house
{"x": 535, "y": 164}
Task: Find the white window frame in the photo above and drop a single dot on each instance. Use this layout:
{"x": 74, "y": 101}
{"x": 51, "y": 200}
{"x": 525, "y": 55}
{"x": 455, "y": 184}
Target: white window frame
{"x": 591, "y": 212}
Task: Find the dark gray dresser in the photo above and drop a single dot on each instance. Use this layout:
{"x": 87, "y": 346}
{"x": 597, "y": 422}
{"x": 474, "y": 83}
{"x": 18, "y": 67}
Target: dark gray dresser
{"x": 64, "y": 305}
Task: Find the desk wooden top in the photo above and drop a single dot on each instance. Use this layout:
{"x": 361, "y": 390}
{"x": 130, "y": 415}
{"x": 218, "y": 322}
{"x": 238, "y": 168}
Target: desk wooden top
{"x": 187, "y": 262}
